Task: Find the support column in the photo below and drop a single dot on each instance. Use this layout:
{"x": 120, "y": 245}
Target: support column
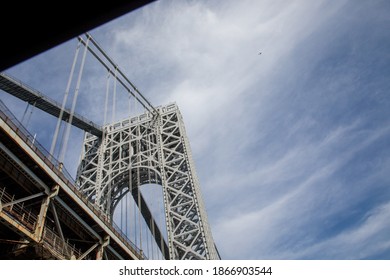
{"x": 104, "y": 244}
{"x": 43, "y": 212}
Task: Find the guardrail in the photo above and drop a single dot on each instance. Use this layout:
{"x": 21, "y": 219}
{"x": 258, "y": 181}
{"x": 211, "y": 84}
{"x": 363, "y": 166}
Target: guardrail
{"x": 58, "y": 168}
{"x": 62, "y": 249}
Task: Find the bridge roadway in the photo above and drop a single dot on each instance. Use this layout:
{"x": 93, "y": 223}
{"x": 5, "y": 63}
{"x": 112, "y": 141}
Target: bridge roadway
{"x": 34, "y": 97}
{"x": 42, "y": 214}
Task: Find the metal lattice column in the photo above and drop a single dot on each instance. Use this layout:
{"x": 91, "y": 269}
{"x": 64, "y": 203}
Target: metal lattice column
{"x": 143, "y": 150}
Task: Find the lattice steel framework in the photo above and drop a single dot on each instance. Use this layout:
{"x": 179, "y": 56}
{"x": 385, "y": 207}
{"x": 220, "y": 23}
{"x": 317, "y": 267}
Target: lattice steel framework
{"x": 149, "y": 149}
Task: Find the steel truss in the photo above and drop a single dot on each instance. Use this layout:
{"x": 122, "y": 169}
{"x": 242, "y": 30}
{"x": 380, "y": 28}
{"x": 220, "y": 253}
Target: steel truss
{"x": 150, "y": 149}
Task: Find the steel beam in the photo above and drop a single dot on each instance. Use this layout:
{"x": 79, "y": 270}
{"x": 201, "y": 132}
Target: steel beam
{"x": 32, "y": 96}
{"x": 66, "y": 189}
{"x": 146, "y": 150}
{"x": 11, "y": 155}
{"x": 22, "y": 199}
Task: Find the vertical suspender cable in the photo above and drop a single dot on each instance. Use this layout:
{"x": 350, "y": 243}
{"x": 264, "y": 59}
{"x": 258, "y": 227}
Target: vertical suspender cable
{"x": 135, "y": 219}
{"x": 147, "y": 242}
{"x": 133, "y": 107}
{"x": 114, "y": 99}
{"x": 134, "y": 204}
{"x": 148, "y": 136}
{"x": 106, "y": 101}
{"x": 139, "y": 210}
{"x": 121, "y": 211}
{"x": 130, "y": 194}
{"x": 29, "y": 115}
{"x": 123, "y": 205}
{"x": 129, "y": 106}
{"x": 54, "y": 142}
{"x": 126, "y": 212}
{"x": 135, "y": 223}
{"x": 139, "y": 193}
{"x": 149, "y": 106}
{"x": 62, "y": 155}
{"x": 25, "y": 112}
{"x": 151, "y": 237}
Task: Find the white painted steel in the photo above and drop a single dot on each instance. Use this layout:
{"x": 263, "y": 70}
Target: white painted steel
{"x": 150, "y": 149}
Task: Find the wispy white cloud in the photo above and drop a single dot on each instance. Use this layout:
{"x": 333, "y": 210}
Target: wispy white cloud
{"x": 367, "y": 240}
{"x": 287, "y": 142}
{"x": 266, "y": 145}
{"x": 276, "y": 212}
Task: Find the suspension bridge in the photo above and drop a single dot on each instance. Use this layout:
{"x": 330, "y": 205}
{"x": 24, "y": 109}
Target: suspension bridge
{"x": 101, "y": 212}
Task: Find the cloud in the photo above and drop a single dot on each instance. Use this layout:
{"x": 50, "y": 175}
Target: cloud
{"x": 290, "y": 145}
{"x": 365, "y": 241}
{"x": 290, "y": 207}
{"x": 265, "y": 130}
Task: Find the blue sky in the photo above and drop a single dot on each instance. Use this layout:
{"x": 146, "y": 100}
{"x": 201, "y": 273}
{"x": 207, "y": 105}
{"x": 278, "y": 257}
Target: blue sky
{"x": 292, "y": 147}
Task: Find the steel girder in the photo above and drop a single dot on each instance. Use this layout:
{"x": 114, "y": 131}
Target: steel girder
{"x": 143, "y": 150}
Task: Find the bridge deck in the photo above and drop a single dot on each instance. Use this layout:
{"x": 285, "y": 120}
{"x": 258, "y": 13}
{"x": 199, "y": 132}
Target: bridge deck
{"x": 27, "y": 171}
{"x": 32, "y": 96}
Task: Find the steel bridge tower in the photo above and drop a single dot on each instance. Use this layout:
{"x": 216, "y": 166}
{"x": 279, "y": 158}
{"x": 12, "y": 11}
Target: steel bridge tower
{"x": 150, "y": 148}
{"x": 118, "y": 158}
